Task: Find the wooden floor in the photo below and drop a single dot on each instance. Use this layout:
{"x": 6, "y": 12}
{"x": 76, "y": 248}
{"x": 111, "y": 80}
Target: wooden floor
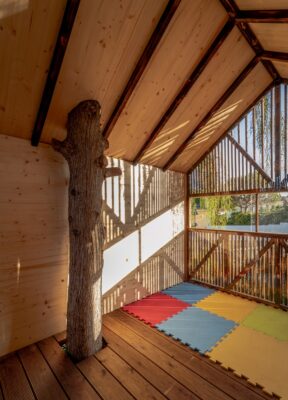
{"x": 138, "y": 363}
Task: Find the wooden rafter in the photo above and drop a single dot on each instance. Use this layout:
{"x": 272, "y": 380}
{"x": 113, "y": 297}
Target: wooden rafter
{"x": 253, "y": 104}
{"x": 258, "y": 16}
{"x": 143, "y": 61}
{"x": 213, "y": 110}
{"x": 250, "y": 159}
{"x": 251, "y": 264}
{"x": 233, "y": 11}
{"x": 54, "y": 69}
{"x": 274, "y": 55}
{"x": 187, "y": 86}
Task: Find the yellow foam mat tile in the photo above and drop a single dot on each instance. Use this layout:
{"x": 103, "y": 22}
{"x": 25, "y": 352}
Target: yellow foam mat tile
{"x": 261, "y": 358}
{"x": 227, "y": 306}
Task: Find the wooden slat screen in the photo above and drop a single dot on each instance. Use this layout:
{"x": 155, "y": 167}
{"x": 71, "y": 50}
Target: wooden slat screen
{"x": 252, "y": 157}
{"x": 251, "y": 264}
{"x": 139, "y": 195}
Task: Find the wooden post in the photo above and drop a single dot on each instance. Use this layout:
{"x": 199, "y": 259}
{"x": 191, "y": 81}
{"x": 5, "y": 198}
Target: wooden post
{"x": 226, "y": 260}
{"x": 256, "y": 212}
{"x": 277, "y": 139}
{"x": 186, "y": 276}
{"x": 277, "y": 279}
{"x": 84, "y": 151}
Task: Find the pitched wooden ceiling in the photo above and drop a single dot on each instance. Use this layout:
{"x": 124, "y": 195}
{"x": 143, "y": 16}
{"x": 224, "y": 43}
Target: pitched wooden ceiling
{"x": 171, "y": 75}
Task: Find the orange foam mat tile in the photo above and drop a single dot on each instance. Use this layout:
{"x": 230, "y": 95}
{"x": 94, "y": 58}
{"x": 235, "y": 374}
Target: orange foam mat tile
{"x": 227, "y": 306}
{"x": 259, "y": 357}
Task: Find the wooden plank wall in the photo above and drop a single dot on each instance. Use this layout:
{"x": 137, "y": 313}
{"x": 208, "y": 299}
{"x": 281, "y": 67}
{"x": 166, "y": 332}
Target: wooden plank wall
{"x": 34, "y": 238}
{"x": 33, "y": 243}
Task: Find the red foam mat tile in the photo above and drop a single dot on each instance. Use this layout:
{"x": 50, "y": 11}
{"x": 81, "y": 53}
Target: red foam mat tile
{"x": 155, "y": 308}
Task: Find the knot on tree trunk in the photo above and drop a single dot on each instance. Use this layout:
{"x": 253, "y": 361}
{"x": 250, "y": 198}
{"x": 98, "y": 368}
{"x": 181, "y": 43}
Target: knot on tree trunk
{"x": 89, "y": 108}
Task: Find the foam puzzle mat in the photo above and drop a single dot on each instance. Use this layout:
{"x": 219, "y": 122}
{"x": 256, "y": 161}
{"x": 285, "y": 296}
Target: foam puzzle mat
{"x": 245, "y": 336}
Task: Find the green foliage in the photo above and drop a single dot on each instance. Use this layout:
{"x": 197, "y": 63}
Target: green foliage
{"x": 274, "y": 216}
{"x": 239, "y": 218}
{"x": 218, "y": 208}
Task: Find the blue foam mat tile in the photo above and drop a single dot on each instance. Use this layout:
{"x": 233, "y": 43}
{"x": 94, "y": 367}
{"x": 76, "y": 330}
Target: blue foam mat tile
{"x": 188, "y": 292}
{"x": 199, "y": 329}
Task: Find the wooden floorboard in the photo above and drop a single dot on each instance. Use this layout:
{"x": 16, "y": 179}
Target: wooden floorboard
{"x": 150, "y": 371}
{"x": 139, "y": 362}
{"x": 225, "y": 380}
{"x": 195, "y": 383}
{"x": 39, "y": 373}
{"x": 102, "y": 380}
{"x": 128, "y": 376}
{"x": 14, "y": 382}
{"x": 73, "y": 382}
{"x": 1, "y": 393}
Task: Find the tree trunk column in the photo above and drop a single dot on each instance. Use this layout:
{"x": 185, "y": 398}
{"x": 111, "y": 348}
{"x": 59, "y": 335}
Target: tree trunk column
{"x": 84, "y": 151}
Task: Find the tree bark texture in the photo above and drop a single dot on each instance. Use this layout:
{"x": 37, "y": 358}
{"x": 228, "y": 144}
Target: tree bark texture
{"x": 84, "y": 151}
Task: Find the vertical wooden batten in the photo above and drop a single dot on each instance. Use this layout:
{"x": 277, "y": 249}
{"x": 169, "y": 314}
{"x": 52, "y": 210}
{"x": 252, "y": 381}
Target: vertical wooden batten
{"x": 55, "y": 66}
{"x": 142, "y": 64}
{"x": 186, "y": 227}
{"x": 277, "y": 138}
{"x": 263, "y": 93}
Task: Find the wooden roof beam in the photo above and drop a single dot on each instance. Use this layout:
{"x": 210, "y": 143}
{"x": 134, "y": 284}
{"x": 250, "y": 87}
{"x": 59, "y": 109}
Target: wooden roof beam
{"x": 233, "y": 11}
{"x": 54, "y": 69}
{"x": 258, "y": 16}
{"x": 214, "y": 47}
{"x": 274, "y": 55}
{"x": 213, "y": 110}
{"x": 247, "y": 109}
{"x": 142, "y": 63}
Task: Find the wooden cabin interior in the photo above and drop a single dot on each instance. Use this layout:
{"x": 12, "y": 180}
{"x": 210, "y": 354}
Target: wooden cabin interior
{"x": 144, "y": 199}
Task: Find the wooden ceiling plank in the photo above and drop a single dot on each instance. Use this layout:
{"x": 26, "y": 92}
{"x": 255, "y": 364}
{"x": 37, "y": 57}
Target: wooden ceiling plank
{"x": 233, "y": 11}
{"x": 187, "y": 86}
{"x": 55, "y": 66}
{"x": 141, "y": 64}
{"x": 262, "y": 94}
{"x": 258, "y": 16}
{"x": 214, "y": 109}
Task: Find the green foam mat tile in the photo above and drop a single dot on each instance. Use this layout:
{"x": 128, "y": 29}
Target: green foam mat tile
{"x": 269, "y": 320}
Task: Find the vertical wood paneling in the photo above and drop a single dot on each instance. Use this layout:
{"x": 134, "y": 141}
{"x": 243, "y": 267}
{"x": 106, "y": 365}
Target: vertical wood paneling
{"x": 33, "y": 243}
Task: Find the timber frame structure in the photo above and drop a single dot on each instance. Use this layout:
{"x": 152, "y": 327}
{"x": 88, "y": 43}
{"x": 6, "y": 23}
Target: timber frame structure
{"x": 197, "y": 88}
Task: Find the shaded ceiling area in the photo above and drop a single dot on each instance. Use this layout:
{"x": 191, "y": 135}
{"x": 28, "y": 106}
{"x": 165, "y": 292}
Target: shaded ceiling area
{"x": 172, "y": 76}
